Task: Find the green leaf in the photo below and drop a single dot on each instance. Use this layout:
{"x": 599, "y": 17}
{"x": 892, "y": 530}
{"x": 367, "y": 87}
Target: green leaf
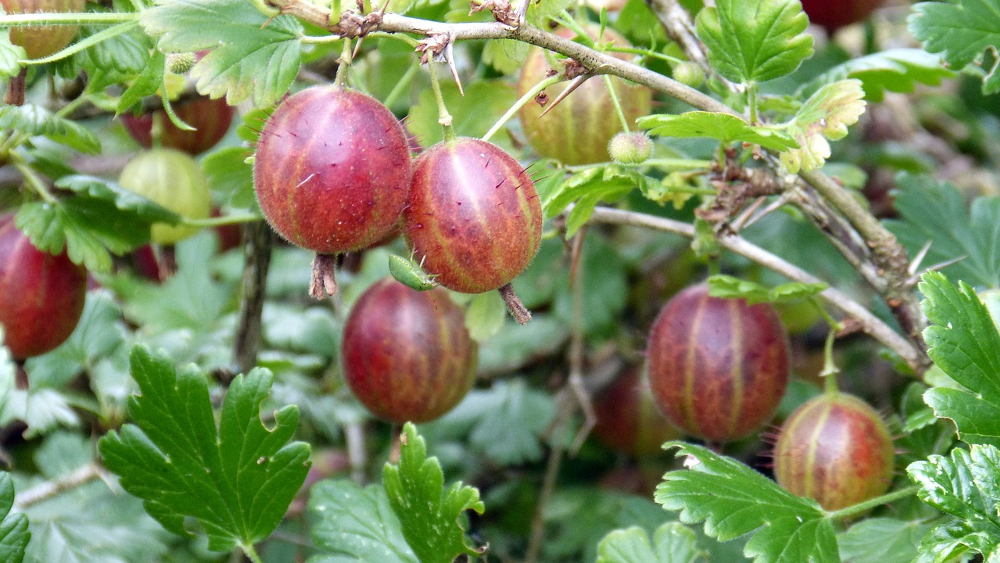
{"x": 882, "y": 540}
{"x": 949, "y": 542}
{"x": 936, "y": 212}
{"x": 230, "y": 177}
{"x": 485, "y": 316}
{"x": 429, "y": 514}
{"x": 13, "y": 526}
{"x": 724, "y": 127}
{"x": 587, "y": 188}
{"x": 721, "y": 285}
{"x": 356, "y": 525}
{"x": 484, "y": 102}
{"x": 734, "y": 500}
{"x": 102, "y": 218}
{"x": 236, "y": 477}
{"x": 825, "y": 115}
{"x": 672, "y": 543}
{"x": 251, "y": 55}
{"x": 505, "y": 422}
{"x": 147, "y": 83}
{"x": 963, "y": 342}
{"x": 961, "y": 30}
{"x": 965, "y": 485}
{"x": 755, "y": 41}
{"x": 9, "y": 55}
{"x": 895, "y": 70}
{"x": 35, "y": 120}
{"x": 93, "y": 522}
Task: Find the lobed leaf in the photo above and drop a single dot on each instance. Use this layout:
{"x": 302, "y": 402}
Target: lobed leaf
{"x": 251, "y": 55}
{"x": 965, "y": 344}
{"x": 961, "y": 30}
{"x": 895, "y": 70}
{"x": 587, "y": 188}
{"x": 882, "y": 540}
{"x": 755, "y": 41}
{"x": 733, "y": 499}
{"x": 935, "y": 213}
{"x": 967, "y": 486}
{"x": 430, "y": 515}
{"x": 355, "y": 524}
{"x": 35, "y": 120}
{"x": 236, "y": 477}
{"x": 724, "y": 127}
{"x": 825, "y": 115}
{"x": 672, "y": 543}
{"x": 14, "y": 534}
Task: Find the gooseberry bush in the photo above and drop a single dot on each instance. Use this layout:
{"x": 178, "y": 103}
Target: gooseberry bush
{"x": 548, "y": 281}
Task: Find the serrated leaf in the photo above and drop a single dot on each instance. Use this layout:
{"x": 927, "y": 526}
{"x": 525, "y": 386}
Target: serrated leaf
{"x": 895, "y": 70}
{"x": 936, "y": 212}
{"x": 734, "y": 500}
{"x": 755, "y": 41}
{"x": 41, "y": 409}
{"x": 721, "y": 285}
{"x": 236, "y": 477}
{"x": 947, "y": 543}
{"x": 882, "y": 540}
{"x": 672, "y": 543}
{"x": 724, "y": 127}
{"x": 36, "y": 120}
{"x": 123, "y": 200}
{"x": 14, "y": 534}
{"x": 430, "y": 515}
{"x": 588, "y": 188}
{"x": 960, "y": 29}
{"x": 965, "y": 344}
{"x": 355, "y": 524}
{"x": 230, "y": 177}
{"x": 87, "y": 228}
{"x": 251, "y": 55}
{"x": 965, "y": 485}
{"x": 9, "y": 55}
{"x": 825, "y": 115}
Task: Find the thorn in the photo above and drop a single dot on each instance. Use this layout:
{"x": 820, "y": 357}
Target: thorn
{"x": 449, "y": 55}
{"x": 912, "y": 270}
{"x": 569, "y": 90}
{"x": 915, "y": 279}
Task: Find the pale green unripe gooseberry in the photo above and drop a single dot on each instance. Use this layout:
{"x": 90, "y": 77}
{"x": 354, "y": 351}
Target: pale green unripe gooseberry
{"x": 689, "y": 74}
{"x": 630, "y": 148}
{"x": 174, "y": 180}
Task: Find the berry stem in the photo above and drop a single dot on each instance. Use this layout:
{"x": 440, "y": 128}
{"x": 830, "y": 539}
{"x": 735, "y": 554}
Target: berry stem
{"x": 527, "y": 97}
{"x": 251, "y": 553}
{"x": 616, "y": 103}
{"x": 869, "y": 504}
{"x": 340, "y": 79}
{"x": 517, "y": 309}
{"x": 830, "y": 369}
{"x": 444, "y": 118}
{"x": 324, "y": 281}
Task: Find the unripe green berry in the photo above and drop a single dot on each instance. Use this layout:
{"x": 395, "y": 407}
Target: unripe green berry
{"x": 689, "y": 74}
{"x": 630, "y": 148}
{"x": 179, "y": 63}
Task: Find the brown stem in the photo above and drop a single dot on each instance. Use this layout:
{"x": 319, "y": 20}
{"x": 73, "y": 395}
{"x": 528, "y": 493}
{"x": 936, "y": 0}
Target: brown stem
{"x": 548, "y": 487}
{"x": 258, "y": 239}
{"x": 15, "y": 88}
{"x": 324, "y": 282}
{"x": 517, "y": 309}
{"x": 50, "y": 489}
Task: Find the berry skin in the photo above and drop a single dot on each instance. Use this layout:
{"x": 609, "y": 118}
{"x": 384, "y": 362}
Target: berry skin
{"x": 42, "y": 41}
{"x": 578, "y": 129}
{"x": 407, "y": 355}
{"x": 718, "y": 368}
{"x": 627, "y": 417}
{"x": 210, "y": 118}
{"x": 41, "y": 295}
{"x": 174, "y": 180}
{"x": 473, "y": 219}
{"x": 332, "y": 170}
{"x": 834, "y": 449}
{"x": 835, "y": 15}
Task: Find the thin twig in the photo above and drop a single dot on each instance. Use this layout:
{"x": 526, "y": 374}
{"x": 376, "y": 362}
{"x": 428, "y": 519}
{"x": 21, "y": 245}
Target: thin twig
{"x": 869, "y": 323}
{"x": 55, "y": 487}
